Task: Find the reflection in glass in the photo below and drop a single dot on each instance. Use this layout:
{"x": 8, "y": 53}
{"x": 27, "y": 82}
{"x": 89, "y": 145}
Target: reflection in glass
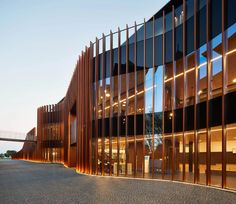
{"x": 202, "y": 155}
{"x": 216, "y": 156}
{"x": 201, "y": 19}
{"x": 114, "y": 160}
{"x": 115, "y": 95}
{"x": 107, "y": 97}
{"x": 140, "y": 92}
{"x": 99, "y": 156}
{"x": 158, "y": 100}
{"x": 189, "y": 157}
{"x": 231, "y": 58}
{"x": 148, "y": 142}
{"x": 148, "y": 91}
{"x": 122, "y": 156}
{"x": 100, "y": 98}
{"x": 178, "y": 157}
{"x": 123, "y": 94}
{"x": 231, "y": 156}
{"x": 216, "y": 67}
{"x": 158, "y": 26}
{"x": 168, "y": 156}
{"x": 158, "y": 89}
{"x": 202, "y": 74}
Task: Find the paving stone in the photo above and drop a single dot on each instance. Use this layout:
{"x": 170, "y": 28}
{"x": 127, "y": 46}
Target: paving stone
{"x": 36, "y": 183}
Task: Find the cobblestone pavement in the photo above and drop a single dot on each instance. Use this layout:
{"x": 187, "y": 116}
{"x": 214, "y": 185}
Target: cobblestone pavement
{"x": 25, "y": 182}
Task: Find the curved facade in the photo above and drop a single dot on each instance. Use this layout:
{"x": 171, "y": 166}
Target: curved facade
{"x": 157, "y": 99}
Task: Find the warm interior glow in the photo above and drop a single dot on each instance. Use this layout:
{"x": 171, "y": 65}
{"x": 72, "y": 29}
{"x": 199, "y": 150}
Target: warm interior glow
{"x": 199, "y": 92}
{"x": 201, "y": 65}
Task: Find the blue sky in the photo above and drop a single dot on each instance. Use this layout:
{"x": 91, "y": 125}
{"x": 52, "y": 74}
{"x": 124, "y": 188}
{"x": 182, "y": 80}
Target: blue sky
{"x": 40, "y": 41}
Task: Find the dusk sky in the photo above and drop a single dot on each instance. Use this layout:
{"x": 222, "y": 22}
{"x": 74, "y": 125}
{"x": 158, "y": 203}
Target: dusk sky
{"x": 39, "y": 44}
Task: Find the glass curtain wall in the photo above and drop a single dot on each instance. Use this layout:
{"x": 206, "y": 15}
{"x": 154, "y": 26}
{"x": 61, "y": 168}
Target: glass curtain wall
{"x": 230, "y": 94}
{"x": 178, "y": 93}
{"x": 147, "y": 105}
{"x": 131, "y": 146}
{"x": 158, "y": 98}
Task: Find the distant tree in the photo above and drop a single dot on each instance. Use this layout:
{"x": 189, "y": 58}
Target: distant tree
{"x": 9, "y": 153}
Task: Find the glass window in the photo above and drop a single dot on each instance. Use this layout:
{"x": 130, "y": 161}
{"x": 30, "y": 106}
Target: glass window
{"x": 168, "y": 22}
{"x": 179, "y": 42}
{"x": 122, "y": 156}
{"x": 168, "y": 112}
{"x": 168, "y": 37}
{"x": 149, "y": 91}
{"x": 99, "y": 155}
{"x": 149, "y": 53}
{"x": 107, "y": 149}
{"x": 114, "y": 156}
{"x": 215, "y": 16}
{"x": 140, "y": 92}
{"x": 131, "y": 35}
{"x": 115, "y": 62}
{"x": 107, "y": 70}
{"x": 215, "y": 105}
{"x": 231, "y": 58}
{"x": 130, "y": 150}
{"x": 231, "y": 156}
{"x": 190, "y": 35}
{"x": 139, "y": 147}
{"x": 149, "y": 29}
{"x": 189, "y": 157}
{"x": 131, "y": 94}
{"x": 190, "y": 79}
{"x": 168, "y": 156}
{"x": 100, "y": 67}
{"x": 123, "y": 59}
{"x": 189, "y": 26}
{"x": 201, "y": 22}
{"x": 140, "y": 55}
{"x": 216, "y": 156}
{"x": 158, "y": 91}
{"x": 131, "y": 58}
{"x": 179, "y": 16}
{"x": 230, "y": 6}
{"x": 123, "y": 94}
{"x": 202, "y": 155}
{"x": 178, "y": 157}
{"x": 189, "y": 8}
{"x": 148, "y": 145}
{"x": 189, "y": 93}
{"x": 168, "y": 47}
{"x": 100, "y": 98}
{"x": 158, "y": 145}
{"x": 158, "y": 102}
{"x": 158, "y": 50}
{"x": 115, "y": 95}
{"x": 107, "y": 97}
{"x": 202, "y": 74}
{"x": 158, "y": 26}
{"x": 140, "y": 33}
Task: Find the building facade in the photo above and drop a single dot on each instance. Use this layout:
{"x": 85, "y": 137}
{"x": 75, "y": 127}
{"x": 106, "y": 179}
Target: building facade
{"x": 155, "y": 100}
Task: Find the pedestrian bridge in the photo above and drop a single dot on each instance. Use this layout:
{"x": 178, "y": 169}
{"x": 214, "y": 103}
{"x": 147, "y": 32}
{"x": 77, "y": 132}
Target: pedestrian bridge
{"x": 16, "y": 137}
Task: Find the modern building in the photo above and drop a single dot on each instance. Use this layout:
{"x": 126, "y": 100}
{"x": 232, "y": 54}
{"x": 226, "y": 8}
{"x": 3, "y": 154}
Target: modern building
{"x": 154, "y": 100}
